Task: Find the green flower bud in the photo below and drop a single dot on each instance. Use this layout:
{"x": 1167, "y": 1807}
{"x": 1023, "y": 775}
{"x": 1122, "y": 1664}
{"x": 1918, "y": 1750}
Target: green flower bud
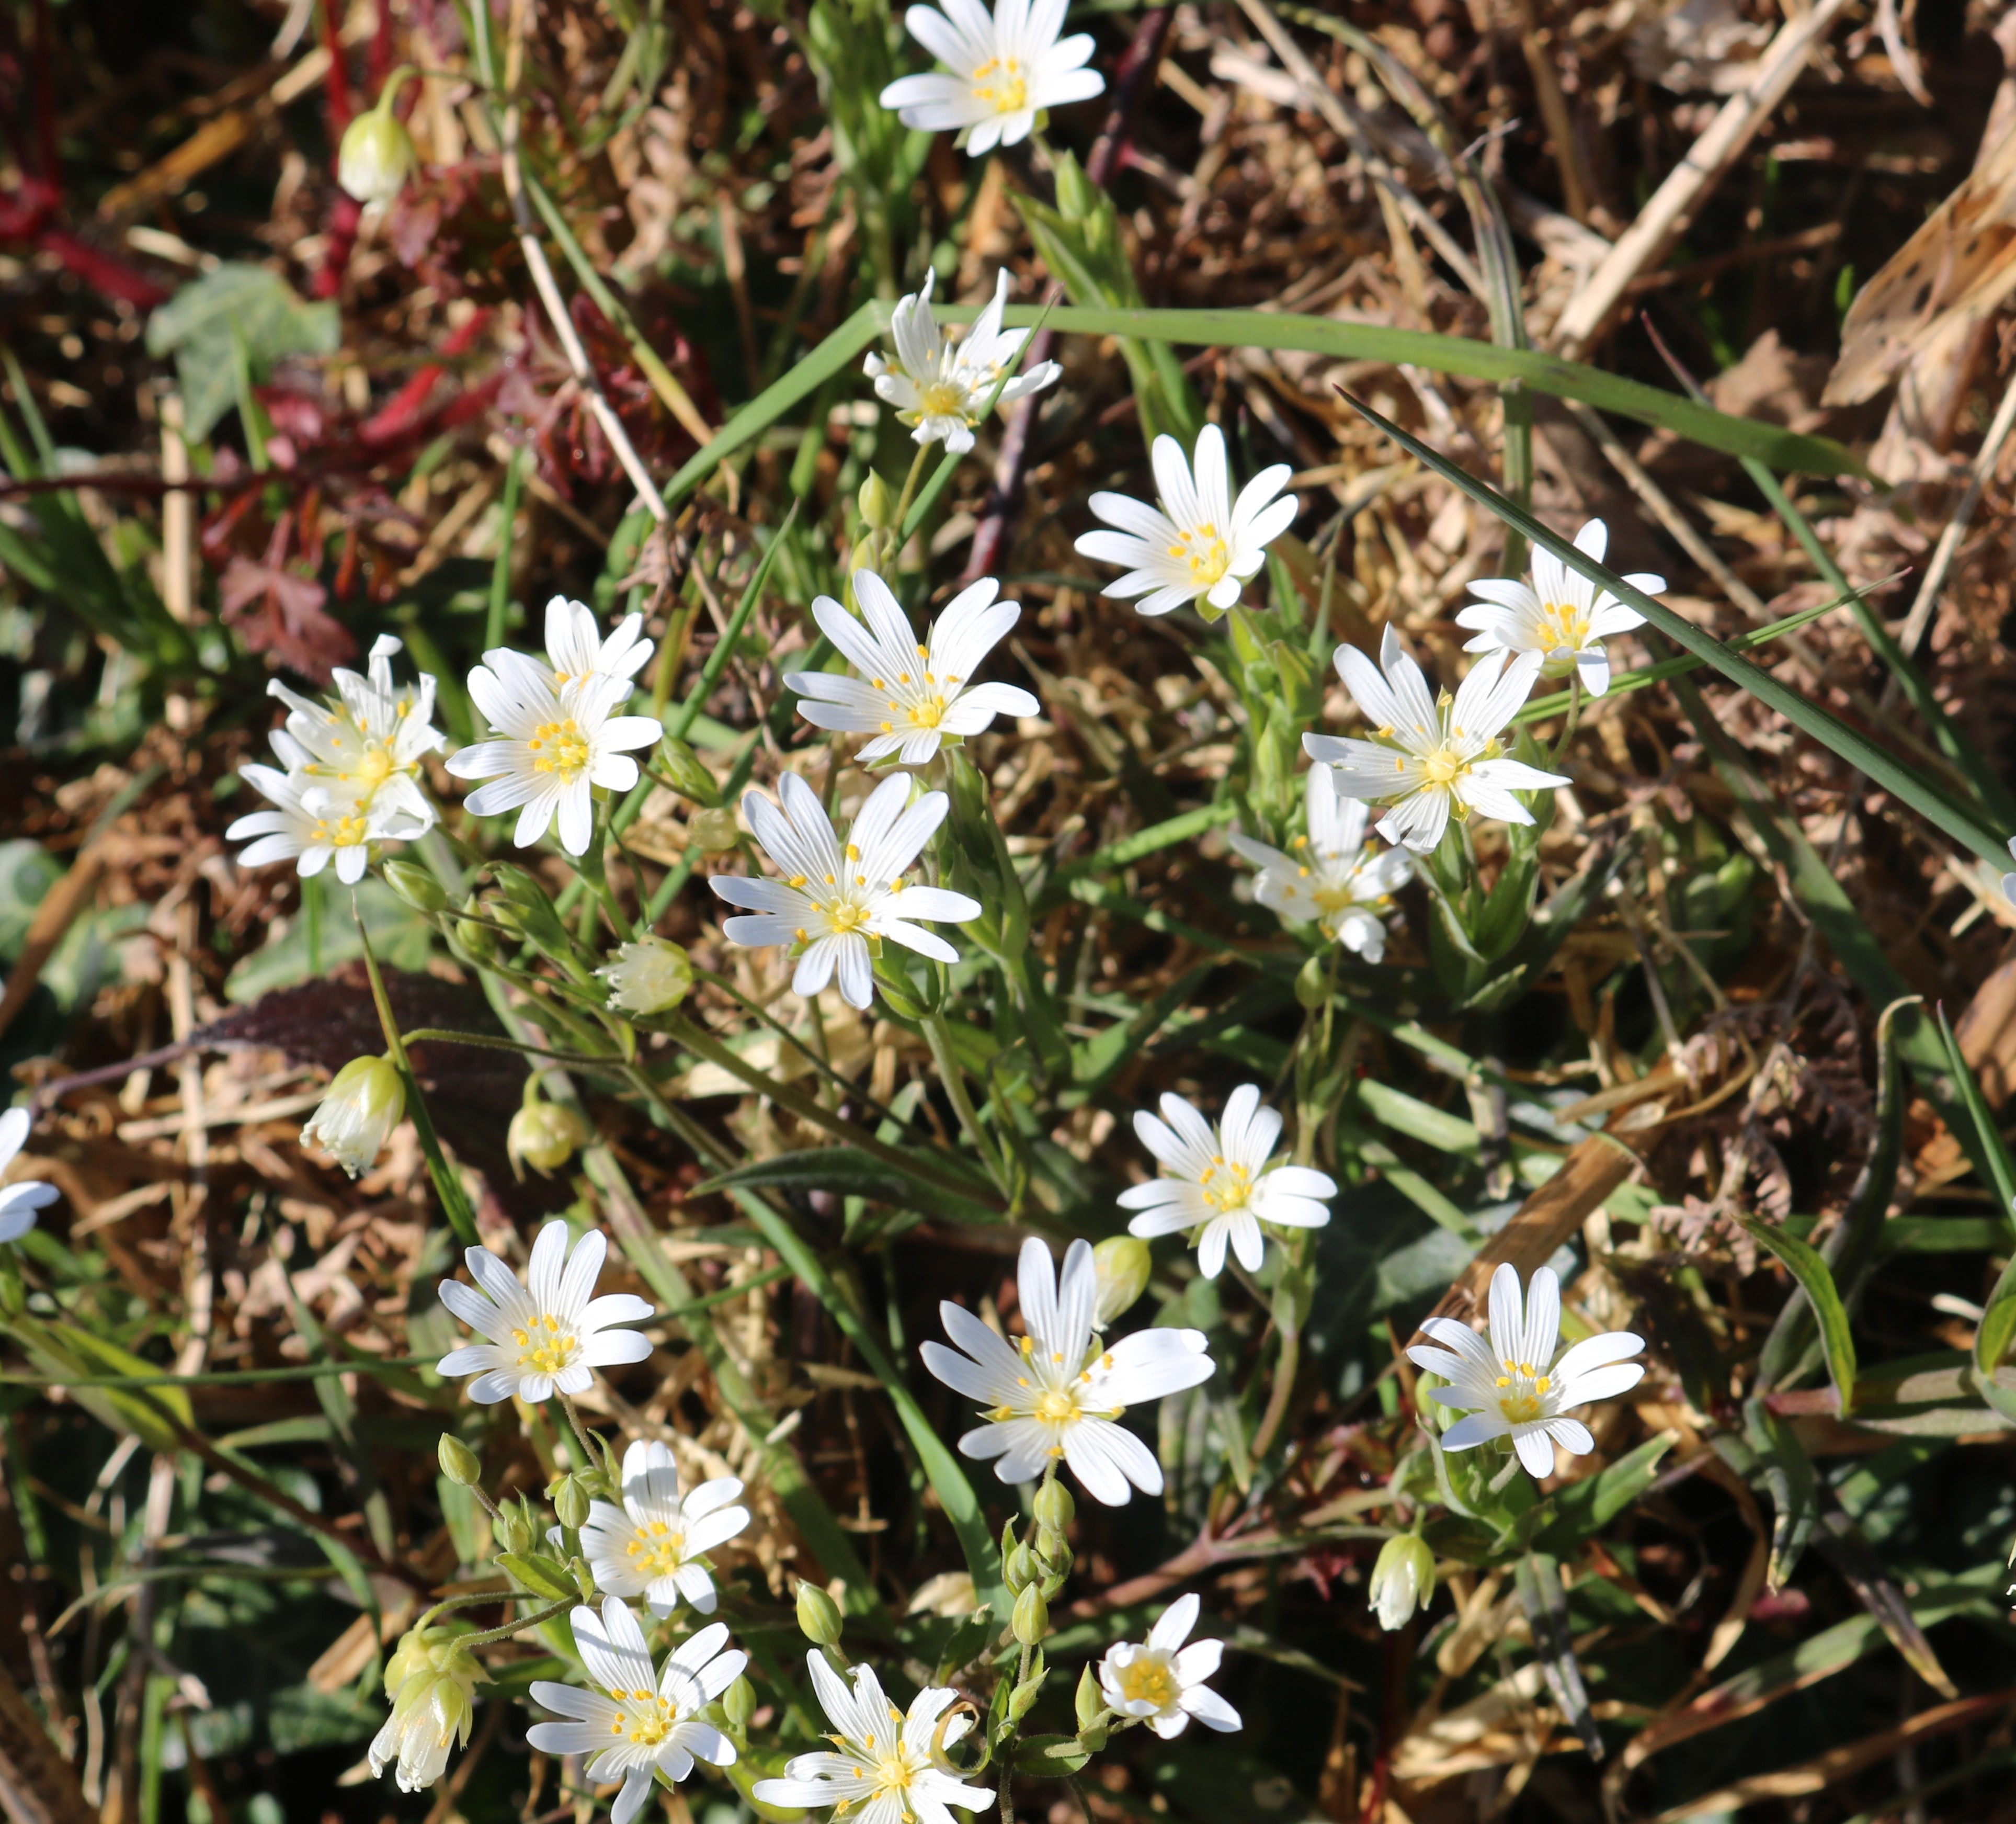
{"x": 878, "y": 503}
{"x": 478, "y": 940}
{"x": 418, "y": 888}
{"x": 501, "y": 911}
{"x": 545, "y": 1135}
{"x": 738, "y": 1704}
{"x": 513, "y": 1530}
{"x": 682, "y": 766}
{"x": 649, "y": 975}
{"x": 1311, "y": 985}
{"x": 1030, "y": 1620}
{"x": 458, "y": 1463}
{"x": 377, "y": 155}
{"x": 1089, "y": 1699}
{"x": 1055, "y": 1508}
{"x": 1121, "y": 1264}
{"x": 570, "y": 1504}
{"x": 1018, "y": 1569}
{"x": 365, "y": 1101}
{"x": 713, "y": 832}
{"x": 1022, "y": 1699}
{"x": 1403, "y": 1579}
{"x": 818, "y": 1615}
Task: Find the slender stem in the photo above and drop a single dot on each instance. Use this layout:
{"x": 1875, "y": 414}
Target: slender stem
{"x": 519, "y": 1626}
{"x": 895, "y": 534}
{"x": 1283, "y": 1390}
{"x": 588, "y": 1459}
{"x": 1573, "y": 714}
{"x": 489, "y": 1041}
{"x": 939, "y": 1033}
{"x": 491, "y": 1597}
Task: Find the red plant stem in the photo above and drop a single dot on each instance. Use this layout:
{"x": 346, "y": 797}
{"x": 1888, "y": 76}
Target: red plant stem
{"x": 1130, "y": 79}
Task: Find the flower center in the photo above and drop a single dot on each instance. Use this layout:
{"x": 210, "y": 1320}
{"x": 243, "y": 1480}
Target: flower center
{"x": 1000, "y": 84}
{"x": 343, "y": 832}
{"x": 545, "y": 1348}
{"x": 1056, "y": 1406}
{"x": 893, "y": 1772}
{"x": 927, "y": 714}
{"x": 1227, "y": 1186}
{"x": 942, "y": 399}
{"x": 843, "y": 916}
{"x": 1522, "y": 1393}
{"x": 373, "y": 766}
{"x": 1443, "y": 766}
{"x": 1563, "y": 628}
{"x": 1205, "y": 552}
{"x": 657, "y": 1549}
{"x": 1149, "y": 1680}
{"x": 558, "y": 747}
{"x": 648, "y": 1726}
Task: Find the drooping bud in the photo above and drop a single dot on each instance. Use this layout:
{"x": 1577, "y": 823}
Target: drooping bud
{"x": 458, "y": 1463}
{"x": 430, "y": 1679}
{"x": 1403, "y": 1579}
{"x": 545, "y": 1135}
{"x": 364, "y": 1102}
{"x": 1030, "y": 1620}
{"x": 1121, "y": 1264}
{"x": 649, "y": 974}
{"x": 714, "y": 831}
{"x": 377, "y": 154}
{"x": 818, "y": 1615}
{"x": 418, "y": 888}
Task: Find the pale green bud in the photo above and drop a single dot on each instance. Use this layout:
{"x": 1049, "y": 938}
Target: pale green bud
{"x": 418, "y": 888}
{"x": 1121, "y": 1264}
{"x": 1030, "y": 1620}
{"x": 649, "y": 975}
{"x": 364, "y": 1102}
{"x": 1023, "y": 1698}
{"x": 1089, "y": 1699}
{"x": 818, "y": 1616}
{"x": 458, "y": 1463}
{"x": 377, "y": 155}
{"x": 570, "y": 1504}
{"x": 714, "y": 831}
{"x": 682, "y": 766}
{"x": 878, "y": 503}
{"x": 1403, "y": 1579}
{"x": 1018, "y": 1569}
{"x": 738, "y": 1704}
{"x": 1311, "y": 985}
{"x": 545, "y": 1135}
{"x": 1055, "y": 1508}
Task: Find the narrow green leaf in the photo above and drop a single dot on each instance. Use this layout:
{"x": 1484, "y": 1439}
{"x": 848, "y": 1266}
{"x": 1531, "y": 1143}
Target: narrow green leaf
{"x": 1586, "y": 1507}
{"x": 1804, "y": 1264}
{"x": 682, "y": 719}
{"x": 847, "y": 1171}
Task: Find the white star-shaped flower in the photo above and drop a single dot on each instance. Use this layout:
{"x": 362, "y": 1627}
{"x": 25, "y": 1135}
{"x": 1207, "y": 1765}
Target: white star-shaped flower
{"x": 1330, "y": 879}
{"x": 836, "y": 905}
{"x": 1061, "y": 1392}
{"x": 1559, "y": 614}
{"x": 1224, "y": 1183}
{"x": 653, "y": 1545}
{"x": 18, "y": 1202}
{"x": 364, "y": 747}
{"x": 1162, "y": 1681}
{"x": 640, "y": 1721}
{"x": 940, "y": 388}
{"x": 549, "y": 1333}
{"x": 1198, "y": 543}
{"x": 1005, "y": 67}
{"x": 885, "y": 1766}
{"x": 1511, "y": 1386}
{"x": 911, "y": 696}
{"x": 1432, "y": 757}
{"x": 554, "y": 745}
{"x": 313, "y": 822}
{"x": 575, "y": 648}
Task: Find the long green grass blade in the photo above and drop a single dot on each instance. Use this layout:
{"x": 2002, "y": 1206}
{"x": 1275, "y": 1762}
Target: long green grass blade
{"x": 1804, "y": 1264}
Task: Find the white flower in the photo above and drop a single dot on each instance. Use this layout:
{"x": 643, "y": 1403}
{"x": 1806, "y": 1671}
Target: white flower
{"x": 1559, "y": 614}
{"x": 556, "y": 744}
{"x": 1403, "y": 1579}
{"x": 1162, "y": 1681}
{"x": 1201, "y": 543}
{"x": 649, "y": 974}
{"x": 836, "y": 906}
{"x": 431, "y": 1680}
{"x": 18, "y": 1202}
{"x": 575, "y": 648}
{"x": 366, "y": 745}
{"x": 1330, "y": 880}
{"x": 652, "y": 1545}
{"x": 1059, "y": 1394}
{"x": 364, "y": 1102}
{"x": 942, "y": 388}
{"x": 1432, "y": 755}
{"x": 311, "y": 824}
{"x": 891, "y": 1765}
{"x": 548, "y": 1333}
{"x": 910, "y": 696}
{"x": 1224, "y": 1186}
{"x": 1512, "y": 1386}
{"x": 1005, "y": 66}
{"x": 640, "y": 1721}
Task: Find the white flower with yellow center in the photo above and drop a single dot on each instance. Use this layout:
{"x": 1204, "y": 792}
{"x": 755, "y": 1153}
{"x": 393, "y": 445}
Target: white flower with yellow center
{"x": 555, "y": 747}
{"x": 940, "y": 388}
{"x": 1329, "y": 878}
{"x": 575, "y": 648}
{"x": 364, "y": 747}
{"x": 1198, "y": 544}
{"x": 1004, "y": 67}
{"x": 911, "y": 695}
{"x": 20, "y": 1201}
{"x": 1161, "y": 1681}
{"x": 1510, "y": 1387}
{"x": 1224, "y": 1185}
{"x": 549, "y": 1333}
{"x": 836, "y": 905}
{"x": 639, "y": 1721}
{"x": 366, "y": 1099}
{"x": 654, "y": 1544}
{"x": 1059, "y": 1394}
{"x": 313, "y": 824}
{"x": 1559, "y": 614}
{"x": 885, "y": 1766}
{"x": 1433, "y": 757}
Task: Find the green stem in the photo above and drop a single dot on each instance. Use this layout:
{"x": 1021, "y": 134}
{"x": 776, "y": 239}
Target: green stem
{"x": 938, "y": 1032}
{"x": 588, "y": 1458}
{"x": 1568, "y": 721}
{"x": 895, "y": 534}
{"x": 519, "y": 1626}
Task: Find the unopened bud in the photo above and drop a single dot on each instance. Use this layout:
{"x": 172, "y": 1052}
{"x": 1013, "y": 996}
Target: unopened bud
{"x": 418, "y": 888}
{"x": 738, "y": 1703}
{"x": 1055, "y": 1508}
{"x": 571, "y": 1505}
{"x": 682, "y": 767}
{"x": 1121, "y": 1264}
{"x": 477, "y": 939}
{"x": 365, "y": 1101}
{"x": 1089, "y": 1699}
{"x": 1403, "y": 1579}
{"x": 818, "y": 1616}
{"x": 714, "y": 831}
{"x": 649, "y": 975}
{"x": 545, "y": 1135}
{"x": 1030, "y": 1620}
{"x": 1018, "y": 1569}
{"x": 1023, "y": 1698}
{"x": 458, "y": 1463}
{"x": 1311, "y": 985}
{"x": 376, "y": 157}
{"x": 513, "y": 1534}
{"x": 878, "y": 503}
